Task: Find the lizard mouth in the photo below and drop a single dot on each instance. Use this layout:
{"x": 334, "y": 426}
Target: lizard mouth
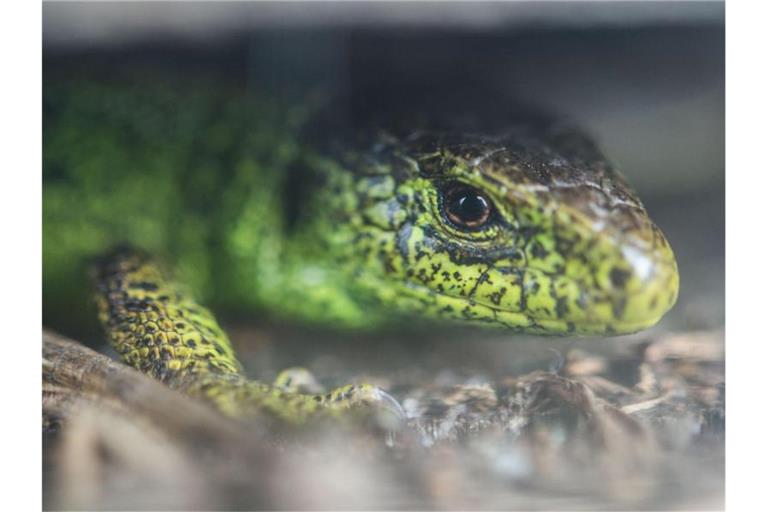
{"x": 473, "y": 312}
{"x": 632, "y": 293}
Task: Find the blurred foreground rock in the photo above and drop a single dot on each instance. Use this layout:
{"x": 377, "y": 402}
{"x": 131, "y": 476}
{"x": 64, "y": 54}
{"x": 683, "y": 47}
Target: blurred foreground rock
{"x": 575, "y": 437}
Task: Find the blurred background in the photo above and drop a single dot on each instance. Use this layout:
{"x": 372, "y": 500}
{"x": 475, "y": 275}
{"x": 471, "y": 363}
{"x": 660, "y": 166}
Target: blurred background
{"x": 646, "y": 79}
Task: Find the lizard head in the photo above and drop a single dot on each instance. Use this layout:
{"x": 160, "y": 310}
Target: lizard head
{"x": 529, "y": 228}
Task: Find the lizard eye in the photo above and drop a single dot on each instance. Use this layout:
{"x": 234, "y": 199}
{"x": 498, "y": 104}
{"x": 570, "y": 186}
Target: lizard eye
{"x": 466, "y": 207}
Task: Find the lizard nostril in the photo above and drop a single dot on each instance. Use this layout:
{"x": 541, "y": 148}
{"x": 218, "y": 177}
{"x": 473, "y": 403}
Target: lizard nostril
{"x": 619, "y": 277}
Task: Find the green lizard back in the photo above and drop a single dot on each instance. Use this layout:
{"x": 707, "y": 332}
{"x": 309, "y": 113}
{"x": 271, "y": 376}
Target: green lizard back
{"x": 165, "y": 165}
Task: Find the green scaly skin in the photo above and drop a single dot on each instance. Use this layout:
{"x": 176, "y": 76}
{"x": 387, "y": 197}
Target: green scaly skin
{"x": 347, "y": 228}
{"x": 158, "y": 329}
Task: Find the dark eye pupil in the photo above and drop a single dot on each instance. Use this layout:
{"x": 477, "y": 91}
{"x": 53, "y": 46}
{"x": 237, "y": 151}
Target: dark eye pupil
{"x": 467, "y": 207}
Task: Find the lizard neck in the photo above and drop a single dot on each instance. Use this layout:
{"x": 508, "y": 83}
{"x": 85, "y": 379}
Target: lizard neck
{"x": 291, "y": 250}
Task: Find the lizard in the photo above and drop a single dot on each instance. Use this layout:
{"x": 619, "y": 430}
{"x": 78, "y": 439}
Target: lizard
{"x": 492, "y": 218}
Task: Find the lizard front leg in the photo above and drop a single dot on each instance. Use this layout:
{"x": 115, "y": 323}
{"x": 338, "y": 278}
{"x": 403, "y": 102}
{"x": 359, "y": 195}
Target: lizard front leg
{"x": 157, "y": 328}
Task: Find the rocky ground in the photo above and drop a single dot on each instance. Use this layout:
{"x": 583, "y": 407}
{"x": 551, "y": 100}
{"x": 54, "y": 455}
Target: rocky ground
{"x": 639, "y": 427}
